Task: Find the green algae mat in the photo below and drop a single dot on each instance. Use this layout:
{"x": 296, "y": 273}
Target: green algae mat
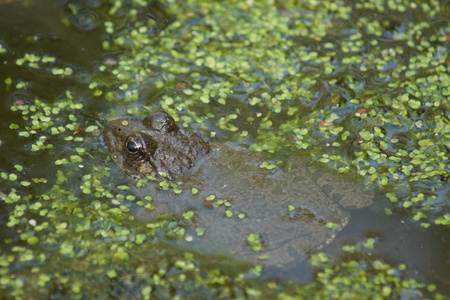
{"x": 358, "y": 87}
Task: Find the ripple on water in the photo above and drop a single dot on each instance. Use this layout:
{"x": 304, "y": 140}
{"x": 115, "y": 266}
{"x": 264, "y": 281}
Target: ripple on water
{"x": 85, "y": 20}
{"x": 20, "y": 98}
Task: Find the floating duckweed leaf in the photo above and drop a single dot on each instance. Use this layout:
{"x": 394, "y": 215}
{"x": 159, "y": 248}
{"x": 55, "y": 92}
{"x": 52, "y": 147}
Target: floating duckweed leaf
{"x": 200, "y": 231}
{"x": 407, "y": 204}
{"x": 76, "y": 158}
{"x": 59, "y": 162}
{"x": 188, "y": 215}
{"x": 80, "y": 151}
{"x": 66, "y": 249}
{"x": 324, "y": 160}
{"x": 91, "y": 128}
{"x": 32, "y": 240}
{"x": 210, "y": 197}
{"x": 267, "y": 165}
{"x": 111, "y": 273}
{"x": 331, "y": 225}
{"x": 140, "y": 238}
{"x": 255, "y": 241}
{"x": 369, "y": 244}
{"x": 48, "y": 59}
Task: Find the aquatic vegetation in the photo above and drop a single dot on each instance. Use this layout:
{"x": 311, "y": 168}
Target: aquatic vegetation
{"x": 372, "y": 109}
{"x": 362, "y": 87}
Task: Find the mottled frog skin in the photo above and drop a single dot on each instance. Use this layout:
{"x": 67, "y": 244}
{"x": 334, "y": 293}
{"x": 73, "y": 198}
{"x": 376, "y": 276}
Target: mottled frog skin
{"x": 289, "y": 210}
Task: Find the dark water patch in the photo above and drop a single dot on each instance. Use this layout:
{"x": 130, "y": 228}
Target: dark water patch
{"x": 53, "y": 37}
{"x": 424, "y": 251}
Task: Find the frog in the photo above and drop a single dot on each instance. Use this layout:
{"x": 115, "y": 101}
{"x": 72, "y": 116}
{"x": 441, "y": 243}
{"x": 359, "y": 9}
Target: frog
{"x": 232, "y": 202}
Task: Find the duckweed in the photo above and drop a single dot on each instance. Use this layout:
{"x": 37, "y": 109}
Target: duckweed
{"x": 380, "y": 279}
{"x": 255, "y": 241}
{"x": 347, "y": 83}
{"x": 228, "y": 213}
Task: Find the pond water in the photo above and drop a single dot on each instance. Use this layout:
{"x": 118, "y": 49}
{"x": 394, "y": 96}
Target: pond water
{"x": 287, "y": 88}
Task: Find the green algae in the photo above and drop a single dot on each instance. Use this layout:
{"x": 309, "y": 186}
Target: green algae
{"x": 230, "y": 40}
{"x": 76, "y": 233}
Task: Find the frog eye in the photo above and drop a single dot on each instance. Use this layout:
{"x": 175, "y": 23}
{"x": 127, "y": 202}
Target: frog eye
{"x": 134, "y": 145}
{"x": 139, "y": 145}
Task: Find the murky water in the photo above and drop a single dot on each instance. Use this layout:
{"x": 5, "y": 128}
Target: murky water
{"x": 52, "y": 29}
